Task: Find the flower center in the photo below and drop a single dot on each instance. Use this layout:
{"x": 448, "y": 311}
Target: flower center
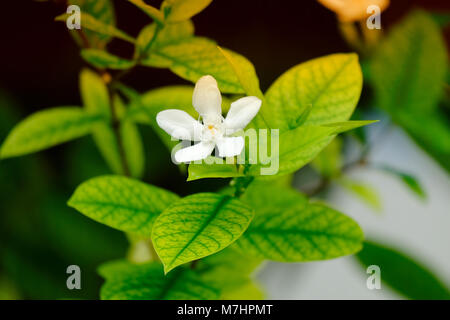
{"x": 212, "y": 131}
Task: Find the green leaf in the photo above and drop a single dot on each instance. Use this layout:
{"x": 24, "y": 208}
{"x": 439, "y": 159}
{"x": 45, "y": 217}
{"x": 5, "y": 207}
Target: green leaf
{"x": 295, "y": 149}
{"x": 193, "y": 58}
{"x": 48, "y": 128}
{"x": 364, "y": 191}
{"x": 152, "y": 12}
{"x": 101, "y": 10}
{"x": 220, "y": 267}
{"x": 214, "y": 170}
{"x": 408, "y": 72}
{"x": 245, "y": 72}
{"x": 126, "y": 281}
{"x": 121, "y": 203}
{"x": 289, "y": 229}
{"x": 106, "y": 142}
{"x": 94, "y": 93}
{"x": 179, "y": 10}
{"x": 410, "y": 181}
{"x": 169, "y": 34}
{"x": 348, "y": 125}
{"x": 246, "y": 291}
{"x": 331, "y": 84}
{"x": 197, "y": 226}
{"x": 104, "y": 60}
{"x": 133, "y": 148}
{"x": 231, "y": 272}
{"x": 90, "y": 23}
{"x": 402, "y": 273}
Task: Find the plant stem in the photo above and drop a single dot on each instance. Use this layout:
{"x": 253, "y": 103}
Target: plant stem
{"x": 116, "y": 127}
{"x": 194, "y": 264}
{"x": 241, "y": 184}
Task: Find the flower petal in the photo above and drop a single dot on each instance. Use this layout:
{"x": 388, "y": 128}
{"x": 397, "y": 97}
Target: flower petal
{"x": 179, "y": 124}
{"x": 230, "y": 146}
{"x": 196, "y": 152}
{"x": 241, "y": 112}
{"x": 206, "y": 98}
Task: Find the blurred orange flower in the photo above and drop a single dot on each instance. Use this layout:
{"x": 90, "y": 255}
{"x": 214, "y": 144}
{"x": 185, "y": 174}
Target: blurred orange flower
{"x": 353, "y": 10}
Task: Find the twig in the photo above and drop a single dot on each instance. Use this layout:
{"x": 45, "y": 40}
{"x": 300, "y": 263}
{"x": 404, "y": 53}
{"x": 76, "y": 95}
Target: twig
{"x": 116, "y": 126}
{"x": 194, "y": 264}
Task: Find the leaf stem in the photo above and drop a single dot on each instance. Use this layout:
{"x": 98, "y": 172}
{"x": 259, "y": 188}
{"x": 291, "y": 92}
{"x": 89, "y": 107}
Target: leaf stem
{"x": 241, "y": 184}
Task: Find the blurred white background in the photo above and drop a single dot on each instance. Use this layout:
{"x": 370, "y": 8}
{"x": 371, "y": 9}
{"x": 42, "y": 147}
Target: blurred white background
{"x": 418, "y": 228}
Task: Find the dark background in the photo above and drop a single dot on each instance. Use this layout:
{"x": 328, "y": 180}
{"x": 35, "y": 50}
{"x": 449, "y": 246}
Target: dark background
{"x": 40, "y": 63}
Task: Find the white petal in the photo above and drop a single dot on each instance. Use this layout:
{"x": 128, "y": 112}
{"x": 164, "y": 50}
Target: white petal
{"x": 241, "y": 112}
{"x": 206, "y": 98}
{"x": 196, "y": 152}
{"x": 230, "y": 146}
{"x": 179, "y": 124}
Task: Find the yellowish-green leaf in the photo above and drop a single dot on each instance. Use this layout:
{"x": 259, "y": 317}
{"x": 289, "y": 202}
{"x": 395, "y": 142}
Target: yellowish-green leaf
{"x": 348, "y": 125}
{"x": 133, "y": 148}
{"x": 288, "y": 228}
{"x": 331, "y": 85}
{"x": 213, "y": 168}
{"x": 179, "y": 10}
{"x": 193, "y": 58}
{"x": 126, "y": 281}
{"x": 169, "y": 34}
{"x": 231, "y": 272}
{"x": 121, "y": 203}
{"x": 101, "y": 10}
{"x": 90, "y": 23}
{"x": 151, "y": 11}
{"x": 291, "y": 151}
{"x": 104, "y": 60}
{"x": 197, "y": 226}
{"x": 363, "y": 191}
{"x": 48, "y": 128}
{"x": 245, "y": 72}
{"x": 248, "y": 290}
{"x": 94, "y": 93}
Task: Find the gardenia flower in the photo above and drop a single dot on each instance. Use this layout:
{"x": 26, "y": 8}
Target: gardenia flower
{"x": 353, "y": 10}
{"x": 214, "y": 129}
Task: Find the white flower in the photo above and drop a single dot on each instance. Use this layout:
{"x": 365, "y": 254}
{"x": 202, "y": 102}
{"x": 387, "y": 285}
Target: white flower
{"x": 214, "y": 129}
